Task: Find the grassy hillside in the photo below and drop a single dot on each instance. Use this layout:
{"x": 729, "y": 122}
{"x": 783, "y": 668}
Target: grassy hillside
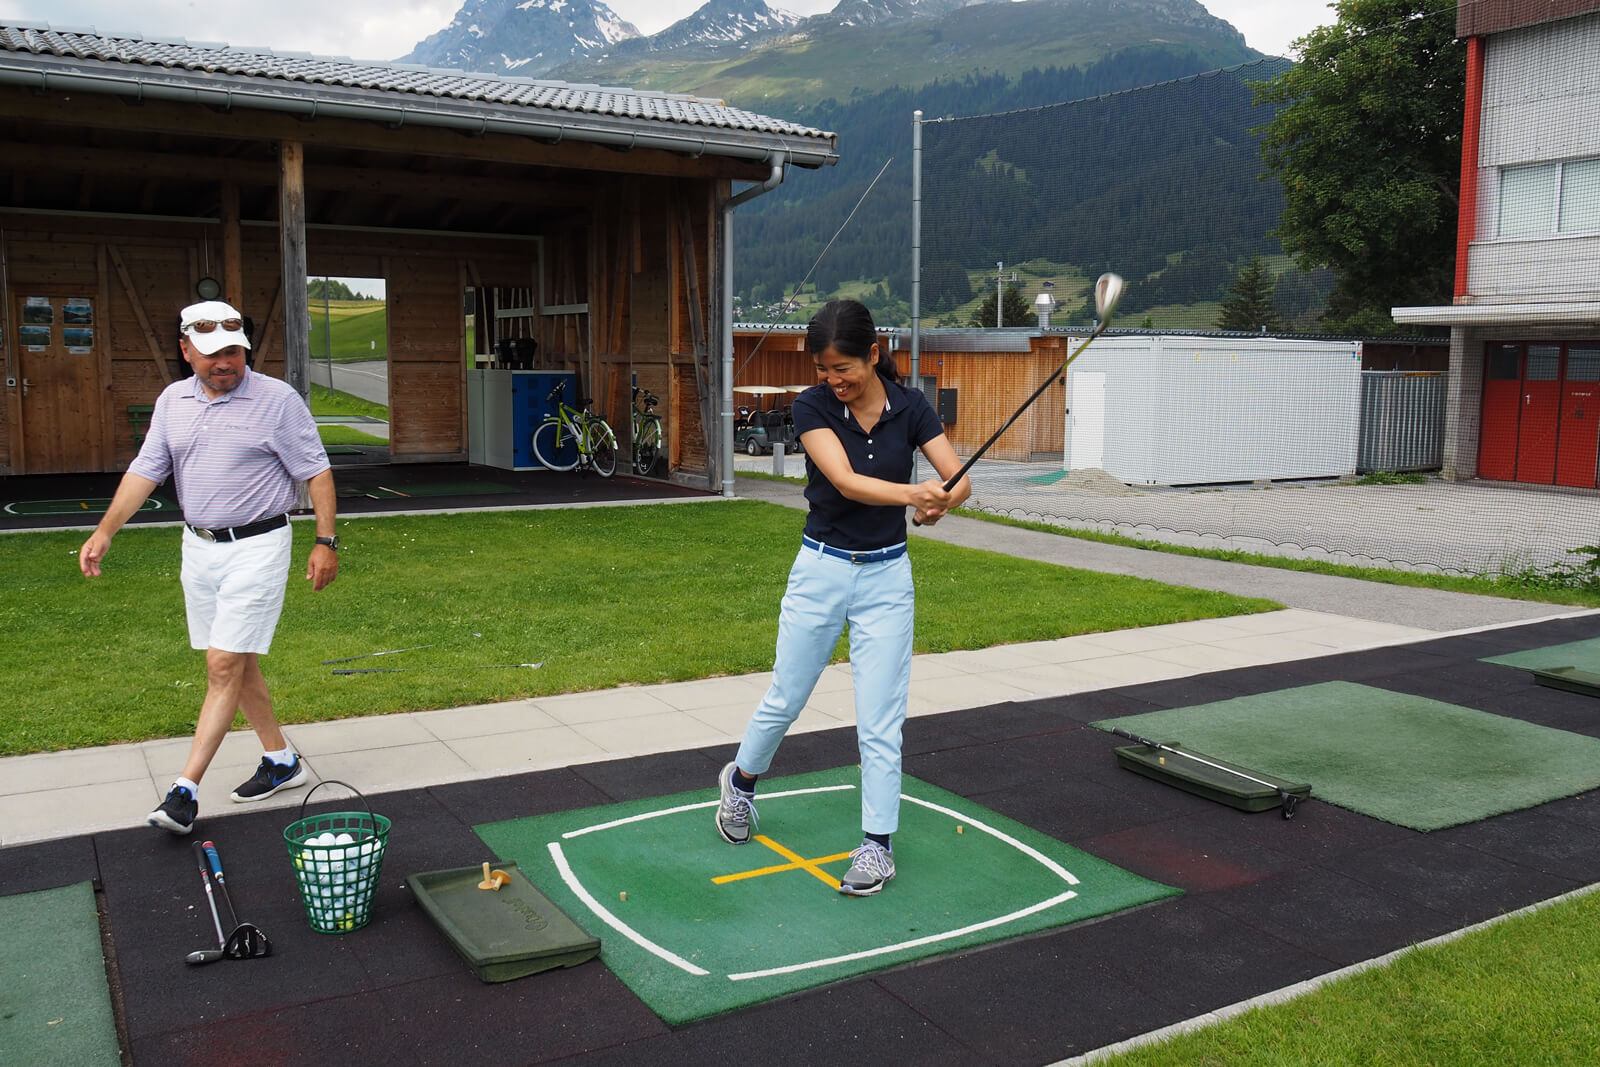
{"x": 360, "y": 330}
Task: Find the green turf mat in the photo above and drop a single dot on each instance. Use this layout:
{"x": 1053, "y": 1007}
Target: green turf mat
{"x": 55, "y": 1006}
{"x": 1047, "y": 479}
{"x": 643, "y": 877}
{"x": 89, "y": 505}
{"x": 1584, "y": 655}
{"x": 465, "y": 488}
{"x": 1400, "y": 758}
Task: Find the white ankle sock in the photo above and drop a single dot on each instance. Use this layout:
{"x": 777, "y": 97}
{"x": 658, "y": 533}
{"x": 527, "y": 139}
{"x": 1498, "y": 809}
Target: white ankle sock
{"x": 192, "y": 787}
{"x": 283, "y": 756}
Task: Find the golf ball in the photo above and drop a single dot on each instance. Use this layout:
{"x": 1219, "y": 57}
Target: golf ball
{"x": 344, "y": 839}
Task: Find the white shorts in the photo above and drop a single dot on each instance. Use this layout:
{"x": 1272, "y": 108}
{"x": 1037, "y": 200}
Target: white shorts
{"x": 233, "y": 590}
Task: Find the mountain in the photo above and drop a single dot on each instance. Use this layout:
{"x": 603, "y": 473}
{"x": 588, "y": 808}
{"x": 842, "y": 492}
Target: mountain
{"x": 524, "y": 37}
{"x": 717, "y": 25}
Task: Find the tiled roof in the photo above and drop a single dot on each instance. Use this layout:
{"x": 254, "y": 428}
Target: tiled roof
{"x": 86, "y": 50}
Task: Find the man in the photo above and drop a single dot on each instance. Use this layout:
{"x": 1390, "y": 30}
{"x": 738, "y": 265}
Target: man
{"x": 235, "y": 442}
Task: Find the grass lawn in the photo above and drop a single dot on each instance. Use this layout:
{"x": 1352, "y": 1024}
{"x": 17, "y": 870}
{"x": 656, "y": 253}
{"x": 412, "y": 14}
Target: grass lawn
{"x": 325, "y": 401}
{"x": 601, "y": 597}
{"x": 359, "y": 328}
{"x": 345, "y": 435}
{"x": 1518, "y": 992}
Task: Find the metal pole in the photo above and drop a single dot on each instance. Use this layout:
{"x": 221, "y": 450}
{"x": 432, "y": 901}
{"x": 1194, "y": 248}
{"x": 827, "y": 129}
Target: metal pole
{"x": 327, "y": 332}
{"x": 916, "y": 260}
{"x": 999, "y": 294}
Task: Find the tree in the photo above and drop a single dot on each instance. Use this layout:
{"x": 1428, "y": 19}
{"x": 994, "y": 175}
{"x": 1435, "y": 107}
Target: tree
{"x": 1017, "y": 310}
{"x": 1367, "y": 146}
{"x": 1250, "y": 303}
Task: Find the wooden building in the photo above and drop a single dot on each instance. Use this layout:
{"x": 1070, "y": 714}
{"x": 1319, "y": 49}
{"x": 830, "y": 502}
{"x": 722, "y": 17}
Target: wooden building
{"x": 138, "y": 176}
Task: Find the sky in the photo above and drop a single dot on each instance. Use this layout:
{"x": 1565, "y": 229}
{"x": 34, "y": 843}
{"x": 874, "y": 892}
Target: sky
{"x": 387, "y": 29}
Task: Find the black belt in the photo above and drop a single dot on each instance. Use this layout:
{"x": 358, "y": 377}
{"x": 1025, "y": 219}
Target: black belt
{"x": 236, "y": 533}
{"x": 876, "y": 555}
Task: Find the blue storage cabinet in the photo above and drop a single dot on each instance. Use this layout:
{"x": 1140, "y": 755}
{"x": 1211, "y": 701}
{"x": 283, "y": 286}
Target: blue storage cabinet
{"x": 504, "y": 407}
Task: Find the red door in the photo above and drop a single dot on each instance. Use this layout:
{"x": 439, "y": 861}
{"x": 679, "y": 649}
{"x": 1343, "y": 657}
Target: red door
{"x": 1580, "y": 418}
{"x": 1502, "y": 408}
{"x": 1541, "y": 410}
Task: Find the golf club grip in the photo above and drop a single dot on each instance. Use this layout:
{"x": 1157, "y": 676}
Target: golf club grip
{"x": 1135, "y": 738}
{"x": 204, "y": 955}
{"x": 215, "y": 861}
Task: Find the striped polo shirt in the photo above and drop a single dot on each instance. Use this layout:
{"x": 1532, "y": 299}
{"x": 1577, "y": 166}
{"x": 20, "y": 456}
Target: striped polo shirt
{"x": 234, "y": 459}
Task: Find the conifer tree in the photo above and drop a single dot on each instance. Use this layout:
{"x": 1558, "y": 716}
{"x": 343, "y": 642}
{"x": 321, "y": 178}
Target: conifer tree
{"x": 1249, "y": 304}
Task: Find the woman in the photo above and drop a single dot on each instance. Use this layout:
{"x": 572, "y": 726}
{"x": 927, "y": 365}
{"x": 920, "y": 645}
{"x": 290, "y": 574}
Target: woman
{"x": 860, "y": 429}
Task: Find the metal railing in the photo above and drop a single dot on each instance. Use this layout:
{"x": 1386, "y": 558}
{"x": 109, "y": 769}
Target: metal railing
{"x": 1402, "y": 421}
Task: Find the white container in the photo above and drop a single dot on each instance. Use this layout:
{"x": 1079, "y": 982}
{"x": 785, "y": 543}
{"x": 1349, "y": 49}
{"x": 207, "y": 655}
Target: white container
{"x": 1172, "y": 410}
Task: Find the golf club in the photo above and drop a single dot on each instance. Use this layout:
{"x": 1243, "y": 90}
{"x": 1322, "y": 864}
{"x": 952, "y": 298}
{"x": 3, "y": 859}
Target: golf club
{"x": 367, "y": 655}
{"x": 1288, "y": 799}
{"x": 1107, "y": 292}
{"x": 396, "y": 670}
{"x": 208, "y": 955}
{"x": 246, "y": 941}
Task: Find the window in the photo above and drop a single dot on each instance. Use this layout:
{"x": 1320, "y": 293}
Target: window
{"x": 1547, "y": 198}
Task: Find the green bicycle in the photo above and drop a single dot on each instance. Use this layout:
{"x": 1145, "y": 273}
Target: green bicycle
{"x": 646, "y": 431}
{"x": 576, "y": 432}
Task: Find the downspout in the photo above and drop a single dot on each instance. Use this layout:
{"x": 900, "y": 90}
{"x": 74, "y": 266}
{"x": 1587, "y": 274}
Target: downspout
{"x": 1467, "y": 204}
{"x": 745, "y": 195}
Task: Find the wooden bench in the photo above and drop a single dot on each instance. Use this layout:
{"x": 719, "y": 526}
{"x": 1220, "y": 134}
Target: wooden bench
{"x": 139, "y": 418}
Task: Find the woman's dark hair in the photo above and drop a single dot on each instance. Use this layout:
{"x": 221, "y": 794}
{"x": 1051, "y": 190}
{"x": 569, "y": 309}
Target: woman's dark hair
{"x": 846, "y": 326}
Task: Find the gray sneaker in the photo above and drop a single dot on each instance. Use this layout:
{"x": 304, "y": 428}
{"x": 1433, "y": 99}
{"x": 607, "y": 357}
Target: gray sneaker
{"x": 871, "y": 865}
{"x": 737, "y": 812}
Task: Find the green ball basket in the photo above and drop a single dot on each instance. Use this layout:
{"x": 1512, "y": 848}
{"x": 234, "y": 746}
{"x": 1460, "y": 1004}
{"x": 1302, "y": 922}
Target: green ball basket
{"x": 337, "y": 882}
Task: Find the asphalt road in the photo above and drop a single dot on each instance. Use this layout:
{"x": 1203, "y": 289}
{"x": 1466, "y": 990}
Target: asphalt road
{"x": 368, "y": 379}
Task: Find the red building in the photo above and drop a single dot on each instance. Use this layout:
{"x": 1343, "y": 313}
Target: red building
{"x": 1525, "y": 321}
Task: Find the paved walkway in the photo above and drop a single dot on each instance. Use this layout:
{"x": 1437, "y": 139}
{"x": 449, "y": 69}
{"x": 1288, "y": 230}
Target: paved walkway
{"x": 65, "y": 794}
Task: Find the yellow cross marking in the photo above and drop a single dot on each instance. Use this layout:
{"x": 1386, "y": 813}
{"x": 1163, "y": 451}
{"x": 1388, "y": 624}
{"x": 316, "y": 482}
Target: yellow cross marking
{"x": 796, "y": 863}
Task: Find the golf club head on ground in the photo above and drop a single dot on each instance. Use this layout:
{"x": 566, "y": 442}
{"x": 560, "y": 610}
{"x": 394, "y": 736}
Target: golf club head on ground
{"x": 1107, "y": 292}
{"x": 247, "y": 942}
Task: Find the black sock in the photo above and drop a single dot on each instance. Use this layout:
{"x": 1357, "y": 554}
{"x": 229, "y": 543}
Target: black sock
{"x": 881, "y": 839}
{"x": 743, "y": 781}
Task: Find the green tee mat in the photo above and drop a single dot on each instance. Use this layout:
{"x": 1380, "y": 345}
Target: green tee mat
{"x": 55, "y": 1005}
{"x": 695, "y": 926}
{"x": 1214, "y": 783}
{"x": 1574, "y": 666}
{"x": 1404, "y": 759}
{"x": 505, "y": 933}
{"x": 75, "y": 505}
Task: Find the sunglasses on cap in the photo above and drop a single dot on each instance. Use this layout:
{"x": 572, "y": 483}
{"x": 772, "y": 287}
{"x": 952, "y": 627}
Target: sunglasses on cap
{"x": 207, "y": 325}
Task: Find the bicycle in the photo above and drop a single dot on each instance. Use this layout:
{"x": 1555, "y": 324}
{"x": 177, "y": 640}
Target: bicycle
{"x": 646, "y": 431}
{"x": 595, "y": 443}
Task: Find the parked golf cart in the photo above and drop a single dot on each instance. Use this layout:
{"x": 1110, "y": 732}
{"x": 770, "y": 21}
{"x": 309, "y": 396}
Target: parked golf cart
{"x": 756, "y": 431}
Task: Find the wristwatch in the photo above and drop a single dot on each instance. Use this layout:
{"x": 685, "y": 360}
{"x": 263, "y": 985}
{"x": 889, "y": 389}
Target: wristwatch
{"x": 331, "y": 542}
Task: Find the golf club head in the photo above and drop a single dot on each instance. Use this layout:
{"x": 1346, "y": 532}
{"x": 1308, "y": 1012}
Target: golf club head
{"x": 247, "y": 942}
{"x": 204, "y": 955}
{"x": 1107, "y": 292}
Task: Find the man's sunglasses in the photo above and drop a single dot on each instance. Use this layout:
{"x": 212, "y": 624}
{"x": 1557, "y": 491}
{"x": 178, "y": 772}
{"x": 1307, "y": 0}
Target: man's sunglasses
{"x": 207, "y": 325}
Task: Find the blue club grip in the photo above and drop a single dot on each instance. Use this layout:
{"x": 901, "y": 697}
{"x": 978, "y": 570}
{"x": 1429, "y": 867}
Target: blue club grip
{"x": 215, "y": 861}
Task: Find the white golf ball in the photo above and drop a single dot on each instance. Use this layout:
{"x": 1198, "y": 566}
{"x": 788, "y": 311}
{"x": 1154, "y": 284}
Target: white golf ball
{"x": 344, "y": 839}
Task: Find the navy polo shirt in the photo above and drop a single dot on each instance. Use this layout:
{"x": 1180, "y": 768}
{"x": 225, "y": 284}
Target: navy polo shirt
{"x": 908, "y": 423}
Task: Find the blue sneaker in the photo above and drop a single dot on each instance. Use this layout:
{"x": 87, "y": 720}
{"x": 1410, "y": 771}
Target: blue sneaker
{"x": 269, "y": 778}
{"x": 176, "y": 813}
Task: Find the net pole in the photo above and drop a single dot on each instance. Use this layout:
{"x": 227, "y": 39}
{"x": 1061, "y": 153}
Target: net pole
{"x": 916, "y": 260}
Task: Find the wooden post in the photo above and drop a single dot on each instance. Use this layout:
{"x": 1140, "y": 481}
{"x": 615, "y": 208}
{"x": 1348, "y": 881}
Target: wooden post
{"x": 232, "y": 254}
{"x": 292, "y": 241}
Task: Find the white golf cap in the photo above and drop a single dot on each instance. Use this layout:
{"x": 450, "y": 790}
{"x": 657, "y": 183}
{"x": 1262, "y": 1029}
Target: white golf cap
{"x": 218, "y": 337}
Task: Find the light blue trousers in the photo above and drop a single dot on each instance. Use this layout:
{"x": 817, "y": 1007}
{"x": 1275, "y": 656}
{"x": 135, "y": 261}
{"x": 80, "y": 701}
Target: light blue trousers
{"x": 877, "y": 601}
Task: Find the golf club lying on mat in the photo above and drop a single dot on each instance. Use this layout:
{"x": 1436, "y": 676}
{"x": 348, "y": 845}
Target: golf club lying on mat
{"x": 1288, "y": 799}
{"x": 246, "y": 942}
{"x": 1107, "y": 292}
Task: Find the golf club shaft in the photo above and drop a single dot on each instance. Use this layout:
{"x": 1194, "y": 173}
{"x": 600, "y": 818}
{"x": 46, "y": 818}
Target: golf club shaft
{"x": 215, "y": 861}
{"x": 368, "y": 655}
{"x": 1037, "y": 393}
{"x": 1198, "y": 759}
{"x": 397, "y": 670}
{"x": 205, "y": 880}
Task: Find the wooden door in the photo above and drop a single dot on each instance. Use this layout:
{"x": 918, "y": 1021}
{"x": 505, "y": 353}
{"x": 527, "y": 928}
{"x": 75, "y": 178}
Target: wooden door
{"x": 62, "y": 395}
{"x": 1541, "y": 410}
{"x": 1502, "y": 408}
{"x": 1580, "y": 418}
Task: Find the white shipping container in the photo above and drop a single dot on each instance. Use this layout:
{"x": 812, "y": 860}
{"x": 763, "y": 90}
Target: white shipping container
{"x": 1172, "y": 410}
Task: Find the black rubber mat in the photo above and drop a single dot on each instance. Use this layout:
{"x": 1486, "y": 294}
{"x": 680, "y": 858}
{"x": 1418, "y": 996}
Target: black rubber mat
{"x": 1268, "y": 901}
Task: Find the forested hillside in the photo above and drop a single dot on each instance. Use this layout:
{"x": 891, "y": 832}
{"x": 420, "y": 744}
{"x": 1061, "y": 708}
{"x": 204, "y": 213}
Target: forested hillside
{"x": 1161, "y": 184}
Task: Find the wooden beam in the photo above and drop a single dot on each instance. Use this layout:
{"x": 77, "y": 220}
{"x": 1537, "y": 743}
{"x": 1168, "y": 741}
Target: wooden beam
{"x": 264, "y": 341}
{"x": 292, "y": 243}
{"x": 157, "y": 354}
{"x": 108, "y": 379}
{"x": 232, "y": 253}
{"x": 161, "y": 116}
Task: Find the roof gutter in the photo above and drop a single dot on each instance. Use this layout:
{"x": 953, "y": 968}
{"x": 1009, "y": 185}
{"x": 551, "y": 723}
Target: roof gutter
{"x": 468, "y": 119}
{"x": 744, "y": 196}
